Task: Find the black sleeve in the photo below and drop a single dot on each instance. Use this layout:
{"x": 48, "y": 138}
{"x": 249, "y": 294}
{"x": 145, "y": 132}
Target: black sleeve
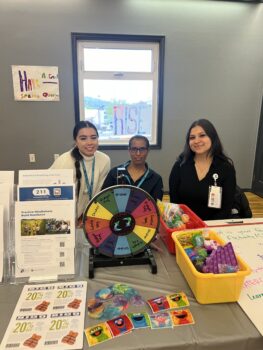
{"x": 111, "y": 179}
{"x": 228, "y": 194}
{"x": 174, "y": 180}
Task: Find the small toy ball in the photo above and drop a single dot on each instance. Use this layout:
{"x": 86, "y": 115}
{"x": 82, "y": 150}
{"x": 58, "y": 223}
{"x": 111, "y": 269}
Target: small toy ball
{"x": 185, "y": 218}
{"x": 95, "y": 308}
{"x": 104, "y": 294}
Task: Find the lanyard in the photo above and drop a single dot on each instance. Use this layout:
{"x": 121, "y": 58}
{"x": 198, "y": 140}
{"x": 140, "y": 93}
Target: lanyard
{"x": 89, "y": 185}
{"x": 142, "y": 179}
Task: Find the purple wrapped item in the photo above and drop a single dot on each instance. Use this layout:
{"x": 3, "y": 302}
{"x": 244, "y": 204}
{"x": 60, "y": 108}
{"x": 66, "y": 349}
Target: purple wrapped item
{"x": 222, "y": 260}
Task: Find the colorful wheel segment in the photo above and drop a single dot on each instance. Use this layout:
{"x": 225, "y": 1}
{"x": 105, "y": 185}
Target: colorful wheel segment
{"x": 121, "y": 221}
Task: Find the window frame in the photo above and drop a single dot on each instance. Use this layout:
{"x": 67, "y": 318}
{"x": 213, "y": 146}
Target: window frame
{"x": 76, "y": 38}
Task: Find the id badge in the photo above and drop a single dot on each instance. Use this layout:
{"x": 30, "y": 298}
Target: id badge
{"x": 215, "y": 197}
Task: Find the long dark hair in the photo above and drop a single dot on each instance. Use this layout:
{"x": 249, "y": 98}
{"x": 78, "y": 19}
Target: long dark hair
{"x": 216, "y": 147}
{"x": 75, "y": 152}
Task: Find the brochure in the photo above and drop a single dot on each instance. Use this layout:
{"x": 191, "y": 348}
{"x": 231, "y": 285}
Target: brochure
{"x": 7, "y": 177}
{"x": 44, "y": 238}
{"x": 1, "y": 243}
{"x": 6, "y": 199}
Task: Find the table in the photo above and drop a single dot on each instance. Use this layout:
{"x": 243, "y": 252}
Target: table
{"x": 217, "y": 327}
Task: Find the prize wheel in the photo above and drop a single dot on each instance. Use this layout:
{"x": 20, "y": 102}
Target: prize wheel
{"x": 121, "y": 221}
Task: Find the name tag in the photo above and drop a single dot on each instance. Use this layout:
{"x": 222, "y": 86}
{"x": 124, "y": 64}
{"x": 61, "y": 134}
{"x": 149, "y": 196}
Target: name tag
{"x": 215, "y": 197}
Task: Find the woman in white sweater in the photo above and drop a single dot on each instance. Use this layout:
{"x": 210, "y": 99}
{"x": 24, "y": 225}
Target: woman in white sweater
{"x": 90, "y": 166}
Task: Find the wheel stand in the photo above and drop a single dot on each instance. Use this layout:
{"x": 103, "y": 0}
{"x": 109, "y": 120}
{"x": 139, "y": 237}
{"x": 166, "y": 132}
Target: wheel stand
{"x": 98, "y": 260}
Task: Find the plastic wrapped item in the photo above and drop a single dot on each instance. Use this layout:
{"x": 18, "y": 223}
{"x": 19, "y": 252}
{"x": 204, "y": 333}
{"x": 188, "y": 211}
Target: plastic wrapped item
{"x": 198, "y": 240}
{"x": 165, "y": 231}
{"x": 210, "y": 245}
{"x": 173, "y": 215}
{"x": 222, "y": 260}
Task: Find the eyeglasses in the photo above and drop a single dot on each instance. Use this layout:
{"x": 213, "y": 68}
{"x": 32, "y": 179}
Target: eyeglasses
{"x": 135, "y": 150}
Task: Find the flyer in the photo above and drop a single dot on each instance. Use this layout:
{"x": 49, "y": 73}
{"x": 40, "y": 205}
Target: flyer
{"x": 1, "y": 243}
{"x": 44, "y": 238}
{"x": 6, "y": 198}
{"x": 45, "y": 177}
{"x": 8, "y": 177}
{"x": 48, "y": 316}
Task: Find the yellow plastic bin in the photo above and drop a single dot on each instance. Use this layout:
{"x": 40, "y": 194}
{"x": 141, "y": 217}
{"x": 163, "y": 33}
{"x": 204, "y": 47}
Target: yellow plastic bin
{"x": 210, "y": 288}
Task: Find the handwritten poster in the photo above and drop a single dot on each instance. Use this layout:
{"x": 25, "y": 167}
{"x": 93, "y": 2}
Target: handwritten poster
{"x": 248, "y": 243}
{"x": 35, "y": 83}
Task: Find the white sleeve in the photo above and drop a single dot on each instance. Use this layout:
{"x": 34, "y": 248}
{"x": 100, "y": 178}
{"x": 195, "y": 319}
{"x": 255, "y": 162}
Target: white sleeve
{"x": 64, "y": 161}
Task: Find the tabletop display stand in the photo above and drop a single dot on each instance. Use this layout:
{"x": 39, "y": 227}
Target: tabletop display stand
{"x": 98, "y": 260}
{"x": 6, "y": 215}
{"x": 120, "y": 223}
{"x": 42, "y": 243}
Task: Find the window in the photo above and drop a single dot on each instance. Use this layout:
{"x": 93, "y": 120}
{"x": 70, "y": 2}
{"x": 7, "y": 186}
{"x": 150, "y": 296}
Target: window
{"x": 118, "y": 86}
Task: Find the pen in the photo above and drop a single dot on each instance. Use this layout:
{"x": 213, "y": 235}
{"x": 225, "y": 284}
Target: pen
{"x": 235, "y": 222}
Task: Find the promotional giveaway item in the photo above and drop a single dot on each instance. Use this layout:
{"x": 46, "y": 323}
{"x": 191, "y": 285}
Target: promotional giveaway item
{"x": 111, "y": 301}
{"x": 182, "y": 317}
{"x": 171, "y": 301}
{"x": 161, "y": 320}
